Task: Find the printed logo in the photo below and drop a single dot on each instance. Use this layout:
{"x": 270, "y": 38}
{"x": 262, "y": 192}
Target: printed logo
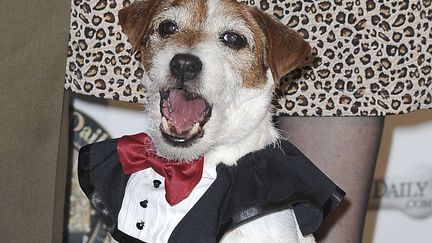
{"x": 410, "y": 193}
{"x": 85, "y": 130}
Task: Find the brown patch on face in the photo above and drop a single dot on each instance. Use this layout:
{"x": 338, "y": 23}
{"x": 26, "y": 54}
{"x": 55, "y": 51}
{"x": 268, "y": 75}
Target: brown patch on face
{"x": 136, "y": 21}
{"x": 255, "y": 75}
{"x": 147, "y": 55}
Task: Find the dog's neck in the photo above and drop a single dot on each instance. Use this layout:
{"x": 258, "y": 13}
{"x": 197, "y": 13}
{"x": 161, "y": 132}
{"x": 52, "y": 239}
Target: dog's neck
{"x": 265, "y": 134}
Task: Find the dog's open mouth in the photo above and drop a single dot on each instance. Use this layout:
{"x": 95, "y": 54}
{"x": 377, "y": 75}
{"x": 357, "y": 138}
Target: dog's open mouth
{"x": 183, "y": 116}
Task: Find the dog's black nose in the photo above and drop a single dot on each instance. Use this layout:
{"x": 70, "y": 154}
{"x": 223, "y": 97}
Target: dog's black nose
{"x": 185, "y": 66}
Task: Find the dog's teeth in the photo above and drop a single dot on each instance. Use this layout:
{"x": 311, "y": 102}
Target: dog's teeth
{"x": 194, "y": 129}
{"x": 165, "y": 124}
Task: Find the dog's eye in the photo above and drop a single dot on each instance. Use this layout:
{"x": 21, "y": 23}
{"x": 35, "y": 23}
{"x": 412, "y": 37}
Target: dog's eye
{"x": 167, "y": 27}
{"x": 233, "y": 40}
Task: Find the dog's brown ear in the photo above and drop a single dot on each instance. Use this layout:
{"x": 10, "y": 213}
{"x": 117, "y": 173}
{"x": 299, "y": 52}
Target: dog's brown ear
{"x": 286, "y": 49}
{"x": 135, "y": 21}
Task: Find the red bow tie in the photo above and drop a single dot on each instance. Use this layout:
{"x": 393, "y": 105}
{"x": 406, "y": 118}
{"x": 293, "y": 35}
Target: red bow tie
{"x": 137, "y": 152}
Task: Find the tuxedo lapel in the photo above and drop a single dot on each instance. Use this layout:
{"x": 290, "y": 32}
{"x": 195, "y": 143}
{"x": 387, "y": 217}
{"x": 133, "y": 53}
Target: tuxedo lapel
{"x": 102, "y": 179}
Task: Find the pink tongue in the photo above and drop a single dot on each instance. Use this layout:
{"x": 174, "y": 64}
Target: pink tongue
{"x": 184, "y": 112}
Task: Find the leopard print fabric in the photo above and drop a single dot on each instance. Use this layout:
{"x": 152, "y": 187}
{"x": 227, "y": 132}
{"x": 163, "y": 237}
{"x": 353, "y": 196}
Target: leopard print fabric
{"x": 369, "y": 58}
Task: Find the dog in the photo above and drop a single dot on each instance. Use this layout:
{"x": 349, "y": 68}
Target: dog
{"x": 211, "y": 67}
{"x": 227, "y": 58}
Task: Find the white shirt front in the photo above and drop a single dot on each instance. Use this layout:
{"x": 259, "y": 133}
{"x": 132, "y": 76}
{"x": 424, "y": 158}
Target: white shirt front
{"x": 146, "y": 215}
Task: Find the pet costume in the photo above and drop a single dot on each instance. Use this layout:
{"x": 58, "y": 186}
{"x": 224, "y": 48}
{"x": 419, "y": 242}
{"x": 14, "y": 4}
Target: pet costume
{"x": 264, "y": 181}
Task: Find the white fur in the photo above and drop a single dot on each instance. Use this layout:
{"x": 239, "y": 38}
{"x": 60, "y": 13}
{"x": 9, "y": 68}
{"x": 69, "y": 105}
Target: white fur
{"x": 247, "y": 128}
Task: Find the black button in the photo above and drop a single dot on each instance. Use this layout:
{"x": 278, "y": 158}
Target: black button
{"x": 140, "y": 225}
{"x": 157, "y": 183}
{"x": 144, "y": 203}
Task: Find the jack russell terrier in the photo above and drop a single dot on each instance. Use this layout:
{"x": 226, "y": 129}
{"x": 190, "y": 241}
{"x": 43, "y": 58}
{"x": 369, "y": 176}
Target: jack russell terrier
{"x": 210, "y": 166}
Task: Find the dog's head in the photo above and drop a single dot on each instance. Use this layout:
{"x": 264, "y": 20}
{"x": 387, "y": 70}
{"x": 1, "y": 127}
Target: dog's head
{"x": 210, "y": 66}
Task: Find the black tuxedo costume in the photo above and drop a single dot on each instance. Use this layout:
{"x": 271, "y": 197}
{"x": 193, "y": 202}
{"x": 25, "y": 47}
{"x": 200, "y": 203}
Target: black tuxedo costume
{"x": 262, "y": 182}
